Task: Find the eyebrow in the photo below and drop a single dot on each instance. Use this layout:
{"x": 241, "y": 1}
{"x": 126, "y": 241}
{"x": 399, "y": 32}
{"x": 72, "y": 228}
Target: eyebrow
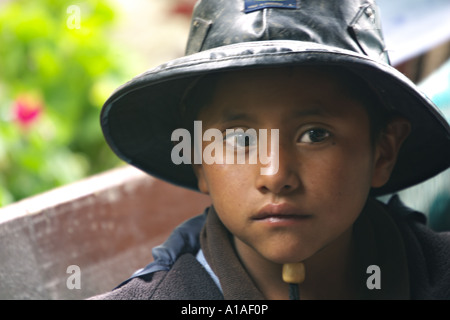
{"x": 313, "y": 111}
{"x": 230, "y": 116}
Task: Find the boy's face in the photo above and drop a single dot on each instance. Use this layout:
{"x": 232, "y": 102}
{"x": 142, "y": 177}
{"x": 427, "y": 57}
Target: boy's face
{"x": 326, "y": 161}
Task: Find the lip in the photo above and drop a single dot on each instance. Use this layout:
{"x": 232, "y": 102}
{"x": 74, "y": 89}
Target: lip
{"x": 279, "y": 213}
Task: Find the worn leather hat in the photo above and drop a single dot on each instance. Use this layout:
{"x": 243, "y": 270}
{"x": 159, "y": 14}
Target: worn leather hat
{"x": 225, "y": 35}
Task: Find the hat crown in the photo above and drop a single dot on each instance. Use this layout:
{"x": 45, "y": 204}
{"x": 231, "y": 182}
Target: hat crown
{"x": 348, "y": 24}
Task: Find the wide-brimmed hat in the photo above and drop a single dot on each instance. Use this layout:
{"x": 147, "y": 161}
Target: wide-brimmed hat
{"x": 139, "y": 118}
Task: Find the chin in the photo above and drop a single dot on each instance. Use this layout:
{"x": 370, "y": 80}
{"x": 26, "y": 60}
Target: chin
{"x": 285, "y": 255}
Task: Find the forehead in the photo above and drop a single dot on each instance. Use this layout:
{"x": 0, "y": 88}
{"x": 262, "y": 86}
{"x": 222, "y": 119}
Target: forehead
{"x": 292, "y": 79}
{"x": 293, "y": 90}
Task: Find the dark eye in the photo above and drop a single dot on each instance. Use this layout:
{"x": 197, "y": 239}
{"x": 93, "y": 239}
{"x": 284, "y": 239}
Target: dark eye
{"x": 314, "y": 136}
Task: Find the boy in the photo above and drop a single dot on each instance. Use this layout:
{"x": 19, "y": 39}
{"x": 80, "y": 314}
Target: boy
{"x": 312, "y": 77}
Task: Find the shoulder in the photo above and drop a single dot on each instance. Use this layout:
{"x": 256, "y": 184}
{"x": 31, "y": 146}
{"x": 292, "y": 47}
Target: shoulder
{"x": 414, "y": 225}
{"x": 139, "y": 288}
{"x": 187, "y": 279}
{"x": 428, "y": 253}
{"x": 174, "y": 274}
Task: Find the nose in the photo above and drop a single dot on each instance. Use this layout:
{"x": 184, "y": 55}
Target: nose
{"x": 285, "y": 177}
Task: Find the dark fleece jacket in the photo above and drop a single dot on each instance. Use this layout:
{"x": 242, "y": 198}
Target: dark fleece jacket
{"x": 177, "y": 275}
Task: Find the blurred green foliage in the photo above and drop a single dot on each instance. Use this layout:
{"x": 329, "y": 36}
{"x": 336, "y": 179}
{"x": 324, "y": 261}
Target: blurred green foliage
{"x": 54, "y": 78}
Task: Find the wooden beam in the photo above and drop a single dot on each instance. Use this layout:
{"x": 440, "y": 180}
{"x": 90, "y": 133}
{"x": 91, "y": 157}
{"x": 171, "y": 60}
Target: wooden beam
{"x": 106, "y": 225}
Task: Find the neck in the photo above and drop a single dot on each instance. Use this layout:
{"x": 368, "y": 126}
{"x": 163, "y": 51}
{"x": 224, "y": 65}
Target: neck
{"x": 328, "y": 272}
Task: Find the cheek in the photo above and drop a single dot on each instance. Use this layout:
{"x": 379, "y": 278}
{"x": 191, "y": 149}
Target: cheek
{"x": 341, "y": 175}
{"x": 229, "y": 189}
{"x": 228, "y": 185}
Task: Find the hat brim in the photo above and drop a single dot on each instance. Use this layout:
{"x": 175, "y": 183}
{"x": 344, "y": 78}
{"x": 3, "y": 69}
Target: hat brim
{"x": 139, "y": 118}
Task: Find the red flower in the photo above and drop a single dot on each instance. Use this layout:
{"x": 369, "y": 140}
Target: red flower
{"x": 27, "y": 109}
{"x": 184, "y": 7}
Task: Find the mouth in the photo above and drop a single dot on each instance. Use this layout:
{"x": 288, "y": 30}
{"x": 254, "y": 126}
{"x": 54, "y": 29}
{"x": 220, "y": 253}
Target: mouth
{"x": 281, "y": 212}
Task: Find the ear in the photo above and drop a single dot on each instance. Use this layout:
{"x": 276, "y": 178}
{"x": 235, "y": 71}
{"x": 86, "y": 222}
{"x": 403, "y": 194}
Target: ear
{"x": 387, "y": 148}
{"x": 201, "y": 179}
